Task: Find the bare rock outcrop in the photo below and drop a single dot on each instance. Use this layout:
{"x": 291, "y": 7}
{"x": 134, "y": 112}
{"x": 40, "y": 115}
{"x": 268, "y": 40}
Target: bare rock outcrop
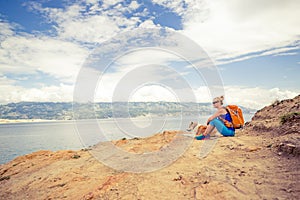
{"x": 279, "y": 123}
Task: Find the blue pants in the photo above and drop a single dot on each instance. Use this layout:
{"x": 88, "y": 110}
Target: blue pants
{"x": 225, "y": 131}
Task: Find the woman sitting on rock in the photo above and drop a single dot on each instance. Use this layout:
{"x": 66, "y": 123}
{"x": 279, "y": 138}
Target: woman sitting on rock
{"x": 217, "y": 121}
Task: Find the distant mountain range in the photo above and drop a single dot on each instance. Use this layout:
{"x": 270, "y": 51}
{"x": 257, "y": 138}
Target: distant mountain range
{"x": 102, "y": 110}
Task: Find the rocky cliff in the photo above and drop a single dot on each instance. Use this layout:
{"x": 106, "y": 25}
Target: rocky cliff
{"x": 279, "y": 125}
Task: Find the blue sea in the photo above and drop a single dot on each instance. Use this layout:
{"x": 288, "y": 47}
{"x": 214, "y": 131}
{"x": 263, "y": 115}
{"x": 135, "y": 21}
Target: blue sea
{"x": 17, "y": 139}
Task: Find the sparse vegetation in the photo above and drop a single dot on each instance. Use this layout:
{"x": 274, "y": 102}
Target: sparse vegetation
{"x": 288, "y": 117}
{"x": 4, "y": 178}
{"x": 276, "y": 102}
{"x": 76, "y": 156}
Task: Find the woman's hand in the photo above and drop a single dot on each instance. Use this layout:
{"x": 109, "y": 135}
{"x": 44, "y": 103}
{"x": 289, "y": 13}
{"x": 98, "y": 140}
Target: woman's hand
{"x": 209, "y": 119}
{"x": 207, "y": 122}
{"x": 217, "y": 114}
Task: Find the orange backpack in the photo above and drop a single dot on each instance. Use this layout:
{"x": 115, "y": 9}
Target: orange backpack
{"x": 236, "y": 115}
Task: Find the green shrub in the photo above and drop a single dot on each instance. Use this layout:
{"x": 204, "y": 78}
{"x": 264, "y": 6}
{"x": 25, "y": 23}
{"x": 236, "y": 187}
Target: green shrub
{"x": 4, "y": 178}
{"x": 287, "y": 117}
{"x": 275, "y": 103}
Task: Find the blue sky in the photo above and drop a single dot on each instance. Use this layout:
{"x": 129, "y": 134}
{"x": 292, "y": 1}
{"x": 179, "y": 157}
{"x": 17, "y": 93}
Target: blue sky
{"x": 44, "y": 45}
{"x": 265, "y": 71}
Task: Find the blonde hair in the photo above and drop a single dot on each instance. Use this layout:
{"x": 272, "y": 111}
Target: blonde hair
{"x": 220, "y": 98}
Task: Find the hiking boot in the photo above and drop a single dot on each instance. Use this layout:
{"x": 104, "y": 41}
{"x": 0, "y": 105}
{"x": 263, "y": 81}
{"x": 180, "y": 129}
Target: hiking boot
{"x": 202, "y": 137}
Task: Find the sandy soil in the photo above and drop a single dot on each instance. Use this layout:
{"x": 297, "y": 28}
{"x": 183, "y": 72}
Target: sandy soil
{"x": 241, "y": 167}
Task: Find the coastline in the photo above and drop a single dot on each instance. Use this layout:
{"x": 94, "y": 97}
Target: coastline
{"x": 15, "y": 121}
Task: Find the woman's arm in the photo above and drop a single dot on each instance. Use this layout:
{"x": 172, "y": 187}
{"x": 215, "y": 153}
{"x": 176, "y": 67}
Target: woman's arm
{"x": 215, "y": 115}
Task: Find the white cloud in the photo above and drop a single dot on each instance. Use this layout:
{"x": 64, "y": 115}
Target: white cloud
{"x": 133, "y": 5}
{"x": 234, "y": 28}
{"x": 61, "y": 93}
{"x": 22, "y": 54}
{"x": 153, "y": 93}
{"x": 6, "y": 81}
{"x": 230, "y": 31}
{"x": 14, "y": 93}
{"x": 58, "y": 56}
{"x": 91, "y": 1}
{"x": 175, "y": 5}
{"x": 202, "y": 94}
{"x": 286, "y": 54}
{"x": 144, "y": 13}
{"x": 250, "y": 97}
{"x": 27, "y": 54}
{"x": 108, "y": 3}
{"x": 226, "y": 29}
{"x": 148, "y": 24}
{"x": 134, "y": 77}
{"x": 6, "y": 30}
{"x": 97, "y": 25}
{"x": 256, "y": 97}
{"x": 279, "y": 50}
{"x": 147, "y": 56}
{"x": 93, "y": 29}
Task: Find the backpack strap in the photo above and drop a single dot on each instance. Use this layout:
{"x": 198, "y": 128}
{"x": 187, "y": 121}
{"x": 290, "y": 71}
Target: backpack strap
{"x": 227, "y": 123}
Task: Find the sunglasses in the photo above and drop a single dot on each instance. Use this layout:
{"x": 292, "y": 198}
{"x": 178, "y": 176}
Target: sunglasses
{"x": 214, "y": 102}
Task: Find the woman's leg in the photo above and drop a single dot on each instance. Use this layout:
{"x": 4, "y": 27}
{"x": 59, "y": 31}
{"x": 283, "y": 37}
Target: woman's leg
{"x": 221, "y": 127}
{"x": 206, "y": 133}
{"x": 209, "y": 129}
